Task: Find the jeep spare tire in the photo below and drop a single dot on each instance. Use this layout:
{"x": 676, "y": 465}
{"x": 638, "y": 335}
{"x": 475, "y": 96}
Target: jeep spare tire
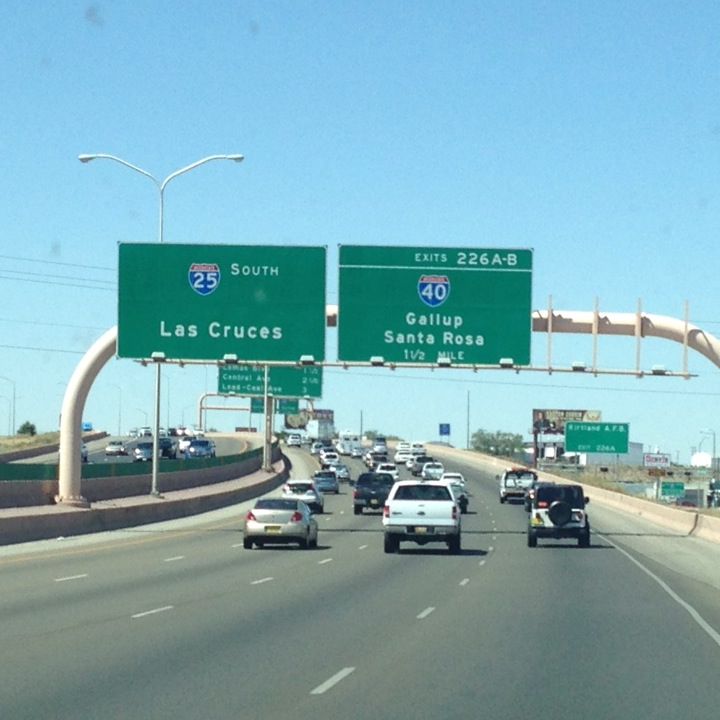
{"x": 560, "y": 513}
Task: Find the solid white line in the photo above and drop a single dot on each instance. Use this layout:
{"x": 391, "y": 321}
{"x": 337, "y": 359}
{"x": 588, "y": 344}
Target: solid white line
{"x": 464, "y": 582}
{"x": 262, "y": 580}
{"x": 482, "y": 562}
{"x": 334, "y": 680}
{"x": 151, "y": 612}
{"x": 326, "y": 560}
{"x": 173, "y": 559}
{"x": 362, "y": 547}
{"x": 236, "y": 545}
{"x": 694, "y": 614}
{"x": 71, "y": 577}
{"x": 425, "y": 613}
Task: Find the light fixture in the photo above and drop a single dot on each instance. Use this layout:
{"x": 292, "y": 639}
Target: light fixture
{"x": 578, "y": 366}
{"x": 307, "y": 359}
{"x": 158, "y": 357}
{"x": 230, "y": 358}
{"x": 506, "y": 362}
{"x": 658, "y": 370}
{"x": 377, "y": 360}
{"x": 444, "y": 362}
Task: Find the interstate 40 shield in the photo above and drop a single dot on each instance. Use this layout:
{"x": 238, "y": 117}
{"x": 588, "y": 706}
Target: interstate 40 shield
{"x": 469, "y": 306}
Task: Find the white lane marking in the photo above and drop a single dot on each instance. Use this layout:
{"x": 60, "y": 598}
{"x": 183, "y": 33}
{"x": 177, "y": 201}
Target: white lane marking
{"x": 362, "y": 547}
{"x": 151, "y": 612}
{"x": 237, "y": 545}
{"x": 334, "y": 680}
{"x": 425, "y": 613}
{"x": 494, "y": 537}
{"x": 326, "y": 560}
{"x": 482, "y": 562}
{"x": 174, "y": 559}
{"x": 491, "y": 548}
{"x": 262, "y": 580}
{"x": 464, "y": 582}
{"x": 71, "y": 577}
{"x": 694, "y": 614}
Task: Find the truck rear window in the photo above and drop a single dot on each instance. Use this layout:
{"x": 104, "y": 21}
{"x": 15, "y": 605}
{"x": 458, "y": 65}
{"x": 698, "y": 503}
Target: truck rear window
{"x": 423, "y": 492}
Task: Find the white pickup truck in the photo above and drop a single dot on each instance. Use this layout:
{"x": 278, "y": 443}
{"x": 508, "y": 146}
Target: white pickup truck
{"x": 421, "y": 512}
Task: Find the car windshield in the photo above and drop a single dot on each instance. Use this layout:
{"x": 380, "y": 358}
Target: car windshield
{"x": 375, "y": 480}
{"x": 301, "y": 488}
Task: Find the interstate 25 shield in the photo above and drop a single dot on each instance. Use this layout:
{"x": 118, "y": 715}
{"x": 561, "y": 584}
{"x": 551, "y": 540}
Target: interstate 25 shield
{"x": 204, "y": 278}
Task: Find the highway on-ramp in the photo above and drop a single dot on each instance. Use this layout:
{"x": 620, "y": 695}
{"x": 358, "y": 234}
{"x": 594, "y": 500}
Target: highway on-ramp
{"x": 179, "y": 621}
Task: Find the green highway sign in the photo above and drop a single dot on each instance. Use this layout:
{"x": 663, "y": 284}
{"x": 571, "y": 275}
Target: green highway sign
{"x": 672, "y": 489}
{"x": 597, "y": 437}
{"x": 418, "y": 305}
{"x": 287, "y": 406}
{"x": 202, "y": 302}
{"x": 305, "y": 381}
{"x": 283, "y": 406}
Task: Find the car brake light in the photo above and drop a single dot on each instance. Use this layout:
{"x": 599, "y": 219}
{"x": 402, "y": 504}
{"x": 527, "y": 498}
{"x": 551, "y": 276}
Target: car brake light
{"x": 250, "y": 516}
{"x": 386, "y": 511}
{"x": 454, "y": 512}
{"x": 542, "y": 503}
{"x": 296, "y": 517}
{"x": 355, "y": 494}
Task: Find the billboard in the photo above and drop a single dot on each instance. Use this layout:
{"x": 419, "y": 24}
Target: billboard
{"x": 656, "y": 460}
{"x": 552, "y": 422}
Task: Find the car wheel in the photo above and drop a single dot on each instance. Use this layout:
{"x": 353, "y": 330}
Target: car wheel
{"x": 247, "y": 543}
{"x": 313, "y": 543}
{"x": 357, "y": 509}
{"x": 463, "y": 508}
{"x": 532, "y": 538}
{"x": 502, "y": 499}
{"x": 391, "y": 544}
{"x": 454, "y": 545}
{"x": 303, "y": 543}
{"x": 584, "y": 539}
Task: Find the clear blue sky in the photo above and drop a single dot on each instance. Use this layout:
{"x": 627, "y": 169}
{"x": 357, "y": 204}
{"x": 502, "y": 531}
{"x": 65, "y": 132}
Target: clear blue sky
{"x": 587, "y": 131}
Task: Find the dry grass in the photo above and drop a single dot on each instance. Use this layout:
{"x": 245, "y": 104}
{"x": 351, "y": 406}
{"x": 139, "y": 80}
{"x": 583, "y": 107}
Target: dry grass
{"x": 21, "y": 442}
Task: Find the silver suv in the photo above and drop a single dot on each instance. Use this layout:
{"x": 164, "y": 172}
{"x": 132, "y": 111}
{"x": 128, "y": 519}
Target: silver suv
{"x": 558, "y": 511}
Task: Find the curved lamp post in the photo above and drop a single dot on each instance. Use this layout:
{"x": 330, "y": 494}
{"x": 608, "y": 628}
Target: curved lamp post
{"x": 12, "y": 411}
{"x": 160, "y": 185}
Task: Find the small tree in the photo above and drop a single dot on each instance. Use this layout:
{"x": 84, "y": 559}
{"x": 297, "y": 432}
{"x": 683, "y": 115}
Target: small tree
{"x": 497, "y": 443}
{"x": 27, "y": 428}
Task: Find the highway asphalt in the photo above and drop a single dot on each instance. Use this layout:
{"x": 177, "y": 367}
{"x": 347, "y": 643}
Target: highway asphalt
{"x": 178, "y": 621}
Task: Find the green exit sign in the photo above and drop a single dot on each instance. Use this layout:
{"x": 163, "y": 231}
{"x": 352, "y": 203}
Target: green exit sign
{"x": 597, "y": 437}
{"x": 422, "y": 305}
{"x": 203, "y": 302}
{"x": 283, "y": 381}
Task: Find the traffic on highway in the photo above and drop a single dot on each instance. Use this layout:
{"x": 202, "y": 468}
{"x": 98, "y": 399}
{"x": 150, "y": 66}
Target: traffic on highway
{"x": 263, "y": 610}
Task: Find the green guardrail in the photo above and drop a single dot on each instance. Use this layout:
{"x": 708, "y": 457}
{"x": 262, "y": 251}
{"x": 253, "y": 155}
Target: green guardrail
{"x": 90, "y": 471}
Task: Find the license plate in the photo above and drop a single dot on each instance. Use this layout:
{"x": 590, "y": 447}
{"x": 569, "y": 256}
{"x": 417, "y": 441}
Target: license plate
{"x": 273, "y": 529}
{"x": 421, "y": 530}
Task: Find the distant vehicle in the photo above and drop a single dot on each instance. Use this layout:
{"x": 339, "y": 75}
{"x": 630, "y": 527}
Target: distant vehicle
{"x": 199, "y": 448}
{"x": 326, "y": 481}
{"x": 432, "y": 471}
{"x": 280, "y": 520}
{"x": 143, "y": 452}
{"x": 133, "y": 432}
{"x": 389, "y": 468}
{"x": 328, "y": 459}
{"x": 414, "y": 453}
{"x": 380, "y": 444}
{"x": 145, "y": 432}
{"x": 514, "y": 483}
{"x": 167, "y": 447}
{"x": 184, "y": 443}
{"x": 419, "y": 462}
{"x": 84, "y": 454}
{"x": 316, "y": 447}
{"x": 115, "y": 447}
{"x": 356, "y": 451}
{"x": 401, "y": 456}
{"x": 458, "y": 489}
{"x": 342, "y": 472}
{"x": 294, "y": 440}
{"x": 306, "y": 491}
{"x": 371, "y": 491}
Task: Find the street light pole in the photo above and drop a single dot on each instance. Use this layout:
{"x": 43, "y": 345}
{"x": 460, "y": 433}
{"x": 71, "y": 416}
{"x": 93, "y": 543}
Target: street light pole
{"x": 12, "y": 411}
{"x": 119, "y": 387}
{"x": 160, "y": 185}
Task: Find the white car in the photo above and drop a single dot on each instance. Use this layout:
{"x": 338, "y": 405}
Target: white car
{"x": 306, "y": 491}
{"x": 401, "y": 456}
{"x": 454, "y": 477}
{"x": 329, "y": 458}
{"x": 432, "y": 471}
{"x": 294, "y": 440}
{"x": 389, "y": 469}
